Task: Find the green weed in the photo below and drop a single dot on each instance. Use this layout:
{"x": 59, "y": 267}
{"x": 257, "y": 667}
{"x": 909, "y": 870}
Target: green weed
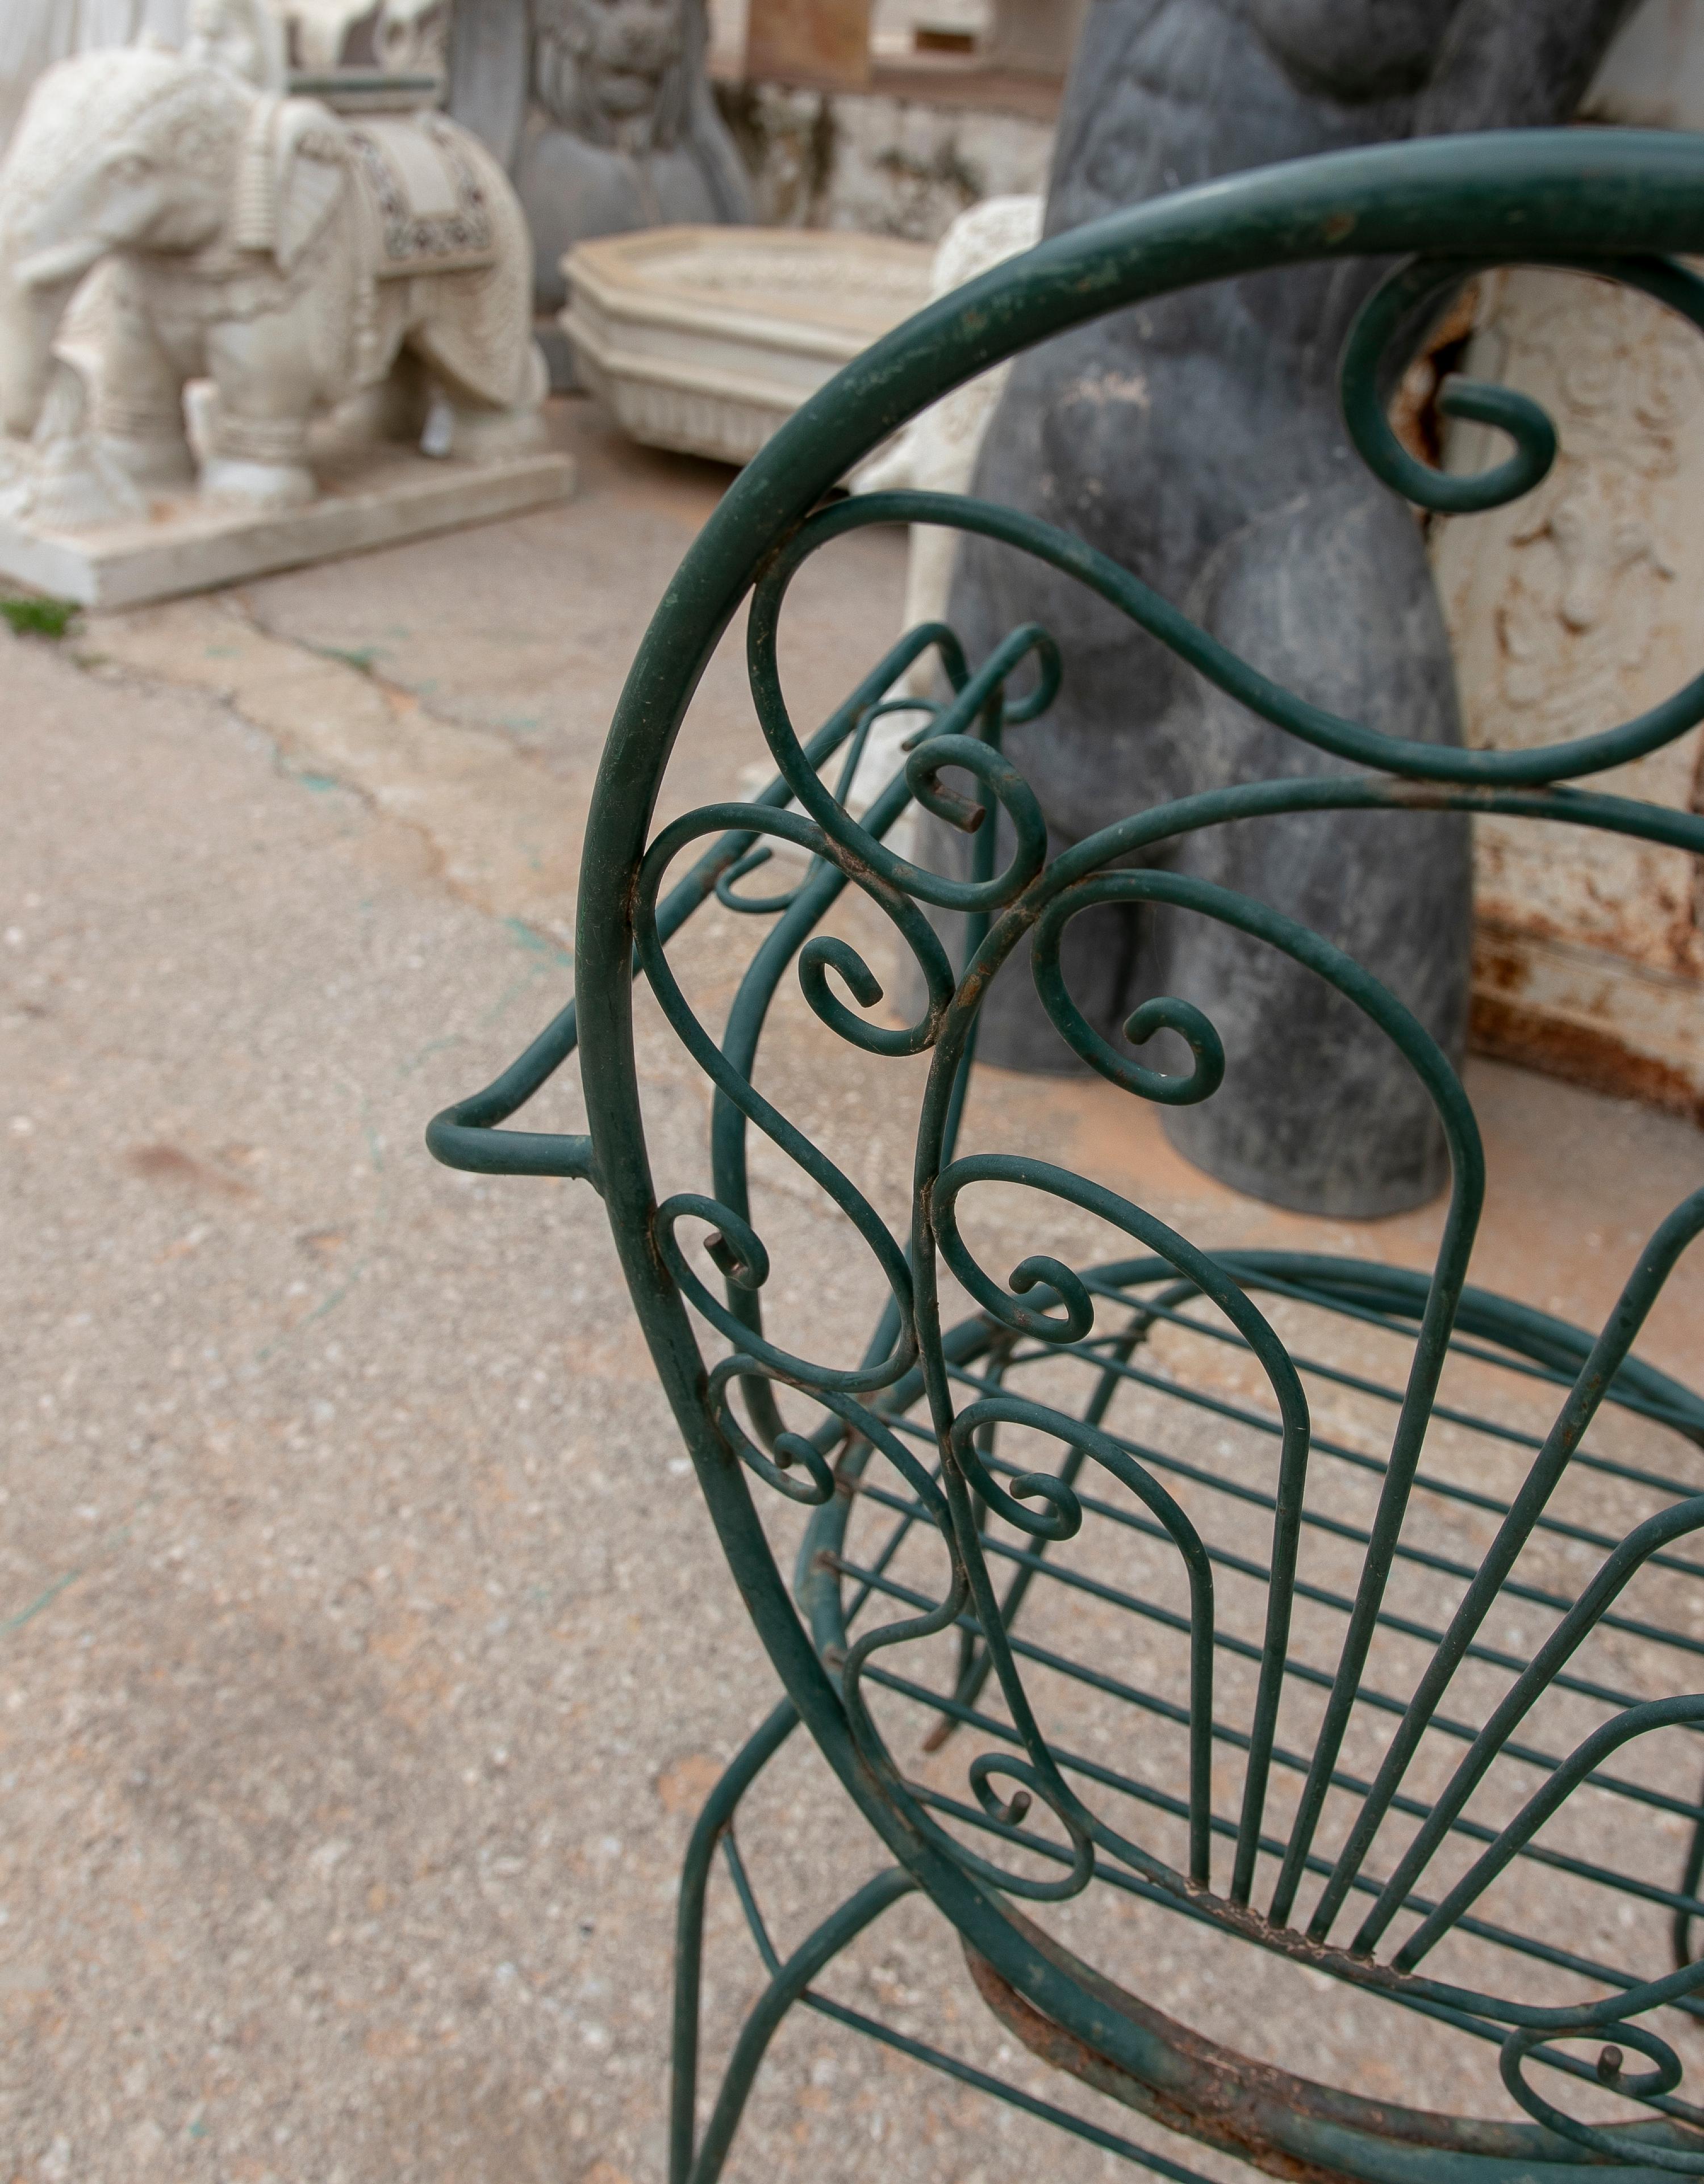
{"x": 32, "y": 617}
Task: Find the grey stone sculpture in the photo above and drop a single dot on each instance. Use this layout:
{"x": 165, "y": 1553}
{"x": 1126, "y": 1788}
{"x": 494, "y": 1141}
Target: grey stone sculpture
{"x": 601, "y": 111}
{"x": 1198, "y": 440}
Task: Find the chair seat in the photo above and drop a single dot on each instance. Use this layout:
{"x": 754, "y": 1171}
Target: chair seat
{"x": 1101, "y": 1625}
{"x": 1288, "y": 2125}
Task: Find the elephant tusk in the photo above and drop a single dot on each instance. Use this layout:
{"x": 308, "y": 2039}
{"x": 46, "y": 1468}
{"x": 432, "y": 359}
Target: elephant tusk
{"x": 59, "y": 262}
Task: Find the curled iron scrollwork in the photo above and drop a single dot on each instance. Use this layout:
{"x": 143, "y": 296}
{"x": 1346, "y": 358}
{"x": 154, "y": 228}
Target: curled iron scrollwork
{"x": 1046, "y": 1302}
{"x": 918, "y": 1431}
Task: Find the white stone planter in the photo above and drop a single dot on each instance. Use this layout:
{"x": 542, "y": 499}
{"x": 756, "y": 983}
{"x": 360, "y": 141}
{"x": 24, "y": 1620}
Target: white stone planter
{"x": 706, "y": 339}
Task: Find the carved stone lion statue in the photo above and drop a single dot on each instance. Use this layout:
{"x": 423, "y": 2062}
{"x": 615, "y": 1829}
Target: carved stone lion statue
{"x": 601, "y": 110}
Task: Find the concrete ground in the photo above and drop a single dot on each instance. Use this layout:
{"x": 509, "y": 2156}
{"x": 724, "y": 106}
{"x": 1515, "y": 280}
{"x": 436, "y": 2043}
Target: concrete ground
{"x": 365, "y": 1651}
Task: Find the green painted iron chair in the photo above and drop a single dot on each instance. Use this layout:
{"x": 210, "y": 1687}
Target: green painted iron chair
{"x": 1319, "y": 1605}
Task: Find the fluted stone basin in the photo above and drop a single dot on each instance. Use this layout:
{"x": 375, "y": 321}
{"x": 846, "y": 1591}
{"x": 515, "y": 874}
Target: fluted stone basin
{"x": 706, "y": 339}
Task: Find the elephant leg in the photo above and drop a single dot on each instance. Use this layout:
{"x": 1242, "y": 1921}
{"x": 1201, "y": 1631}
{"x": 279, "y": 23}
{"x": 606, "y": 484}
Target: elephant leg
{"x": 258, "y": 433}
{"x": 396, "y": 409}
{"x": 474, "y": 432}
{"x": 491, "y": 436}
{"x": 138, "y": 418}
{"x": 475, "y": 336}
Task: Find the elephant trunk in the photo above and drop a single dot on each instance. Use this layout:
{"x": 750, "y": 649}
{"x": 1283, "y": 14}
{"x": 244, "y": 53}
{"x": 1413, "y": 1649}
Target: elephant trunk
{"x": 44, "y": 251}
{"x": 33, "y": 297}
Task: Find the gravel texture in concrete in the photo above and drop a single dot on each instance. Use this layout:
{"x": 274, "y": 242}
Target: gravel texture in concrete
{"x": 366, "y": 1650}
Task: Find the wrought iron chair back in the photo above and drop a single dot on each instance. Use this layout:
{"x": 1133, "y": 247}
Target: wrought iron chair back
{"x": 1273, "y": 1511}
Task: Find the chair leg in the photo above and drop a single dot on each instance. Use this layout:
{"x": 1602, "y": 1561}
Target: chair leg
{"x": 790, "y": 1983}
{"x": 819, "y": 1949}
{"x": 713, "y": 1823}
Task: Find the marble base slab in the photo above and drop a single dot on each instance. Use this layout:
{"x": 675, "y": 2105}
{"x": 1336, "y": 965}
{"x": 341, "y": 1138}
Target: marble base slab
{"x": 184, "y": 544}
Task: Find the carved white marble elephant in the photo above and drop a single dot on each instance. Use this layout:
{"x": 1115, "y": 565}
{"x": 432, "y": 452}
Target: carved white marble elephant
{"x": 293, "y": 257}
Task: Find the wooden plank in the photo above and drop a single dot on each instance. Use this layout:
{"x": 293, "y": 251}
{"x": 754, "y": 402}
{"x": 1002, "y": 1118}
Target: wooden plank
{"x": 824, "y": 43}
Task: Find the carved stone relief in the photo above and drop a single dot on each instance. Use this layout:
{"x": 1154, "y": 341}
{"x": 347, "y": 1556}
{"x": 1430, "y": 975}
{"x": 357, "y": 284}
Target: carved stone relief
{"x": 1570, "y": 611}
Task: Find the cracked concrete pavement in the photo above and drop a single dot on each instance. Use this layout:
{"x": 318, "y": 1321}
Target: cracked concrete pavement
{"x": 366, "y": 1653}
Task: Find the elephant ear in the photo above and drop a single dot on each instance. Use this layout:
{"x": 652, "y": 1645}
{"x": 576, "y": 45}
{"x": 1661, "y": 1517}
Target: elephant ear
{"x": 294, "y": 171}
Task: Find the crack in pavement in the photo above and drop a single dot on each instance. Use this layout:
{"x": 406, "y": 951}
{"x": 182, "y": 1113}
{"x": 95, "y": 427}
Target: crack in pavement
{"x": 503, "y": 831}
